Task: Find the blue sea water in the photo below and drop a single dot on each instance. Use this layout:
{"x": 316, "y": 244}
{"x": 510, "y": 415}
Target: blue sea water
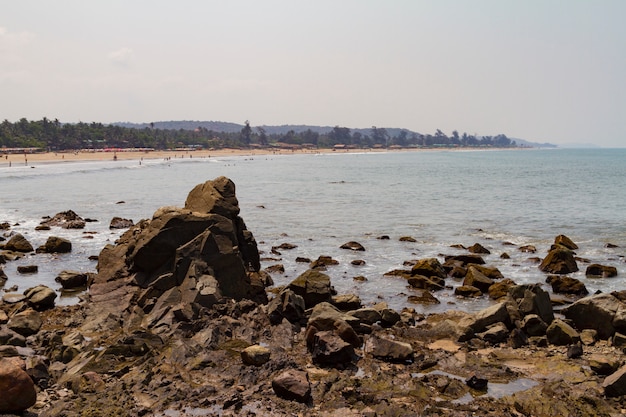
{"x": 320, "y": 201}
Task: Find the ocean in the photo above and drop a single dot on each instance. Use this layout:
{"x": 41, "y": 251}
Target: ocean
{"x": 321, "y": 201}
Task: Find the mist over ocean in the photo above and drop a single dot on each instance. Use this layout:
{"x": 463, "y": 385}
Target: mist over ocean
{"x": 320, "y": 201}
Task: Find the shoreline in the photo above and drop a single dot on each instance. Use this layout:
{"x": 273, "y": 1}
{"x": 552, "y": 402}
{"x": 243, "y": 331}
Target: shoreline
{"x": 86, "y": 156}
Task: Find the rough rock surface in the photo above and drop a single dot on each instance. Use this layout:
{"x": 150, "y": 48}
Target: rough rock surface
{"x": 17, "y": 388}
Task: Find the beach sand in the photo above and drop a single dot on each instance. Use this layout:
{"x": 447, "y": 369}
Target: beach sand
{"x": 32, "y": 159}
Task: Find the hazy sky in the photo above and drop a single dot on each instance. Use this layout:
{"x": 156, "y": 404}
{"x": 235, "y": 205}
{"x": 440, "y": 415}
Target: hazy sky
{"x": 542, "y": 70}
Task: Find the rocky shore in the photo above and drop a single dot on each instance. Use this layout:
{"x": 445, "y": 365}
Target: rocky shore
{"x": 180, "y": 320}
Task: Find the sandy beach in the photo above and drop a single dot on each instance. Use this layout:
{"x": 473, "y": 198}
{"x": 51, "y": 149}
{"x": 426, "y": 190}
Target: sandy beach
{"x": 32, "y": 159}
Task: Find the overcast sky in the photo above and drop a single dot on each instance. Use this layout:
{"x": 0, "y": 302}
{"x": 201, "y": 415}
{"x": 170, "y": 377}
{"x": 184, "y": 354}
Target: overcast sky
{"x": 541, "y": 70}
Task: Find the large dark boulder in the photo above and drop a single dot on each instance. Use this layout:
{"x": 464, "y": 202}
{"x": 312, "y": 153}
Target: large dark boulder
{"x": 429, "y": 267}
{"x": 604, "y": 271}
{"x": 597, "y": 312}
{"x": 66, "y": 220}
{"x": 566, "y": 285}
{"x": 168, "y": 268}
{"x": 18, "y": 243}
{"x": 559, "y": 261}
{"x": 55, "y": 244}
{"x": 313, "y": 286}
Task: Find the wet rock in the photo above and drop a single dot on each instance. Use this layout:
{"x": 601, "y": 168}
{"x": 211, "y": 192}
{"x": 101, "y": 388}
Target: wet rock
{"x": 476, "y": 278}
{"x": 285, "y": 246}
{"x": 293, "y": 385}
{"x": 17, "y": 388}
{"x": 433, "y": 283}
{"x": 559, "y": 261}
{"x": 565, "y": 241}
{"x": 464, "y": 260}
{"x": 566, "y": 285}
{"x": 430, "y": 267}
{"x": 477, "y": 383}
{"x": 467, "y": 291}
{"x": 478, "y": 248}
{"x": 303, "y": 260}
{"x": 18, "y": 243}
{"x": 615, "y": 384}
{"x": 55, "y": 244}
{"x": 40, "y": 297}
{"x": 604, "y": 271}
{"x": 389, "y": 350}
{"x": 528, "y": 249}
{"x": 383, "y": 237}
{"x": 355, "y": 246}
{"x": 358, "y": 262}
{"x": 65, "y": 219}
{"x": 322, "y": 262}
{"x": 27, "y": 269}
{"x": 313, "y": 286}
{"x": 561, "y": 334}
{"x": 120, "y": 223}
{"x": 278, "y": 268}
{"x": 255, "y": 355}
{"x": 423, "y": 297}
{"x": 26, "y": 323}
{"x": 500, "y": 289}
{"x": 407, "y": 239}
{"x": 72, "y": 279}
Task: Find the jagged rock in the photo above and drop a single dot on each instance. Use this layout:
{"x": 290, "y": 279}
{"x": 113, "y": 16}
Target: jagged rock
{"x": 475, "y": 278}
{"x": 66, "y": 220}
{"x": 278, "y": 268}
{"x": 41, "y": 297}
{"x": 120, "y": 223}
{"x": 604, "y": 271}
{"x": 255, "y": 355}
{"x": 329, "y": 349}
{"x": 389, "y": 350}
{"x": 293, "y": 385}
{"x": 559, "y": 261}
{"x": 355, "y": 246}
{"x": 496, "y": 333}
{"x": 285, "y": 246}
{"x": 566, "y": 285}
{"x": 561, "y": 334}
{"x": 324, "y": 317}
{"x": 17, "y": 388}
{"x": 288, "y": 305}
{"x": 533, "y": 325}
{"x": 26, "y": 323}
{"x": 478, "y": 248}
{"x": 479, "y": 321}
{"x": 55, "y": 244}
{"x": 433, "y": 283}
{"x": 615, "y": 384}
{"x": 596, "y": 312}
{"x": 429, "y": 267}
{"x": 565, "y": 241}
{"x": 72, "y": 279}
{"x": 313, "y": 286}
{"x": 18, "y": 243}
{"x": 532, "y": 299}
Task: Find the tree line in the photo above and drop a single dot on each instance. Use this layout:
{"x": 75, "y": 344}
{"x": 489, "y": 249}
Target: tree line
{"x": 52, "y": 135}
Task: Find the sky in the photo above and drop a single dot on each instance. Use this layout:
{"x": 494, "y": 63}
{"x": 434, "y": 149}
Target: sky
{"x": 541, "y": 70}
